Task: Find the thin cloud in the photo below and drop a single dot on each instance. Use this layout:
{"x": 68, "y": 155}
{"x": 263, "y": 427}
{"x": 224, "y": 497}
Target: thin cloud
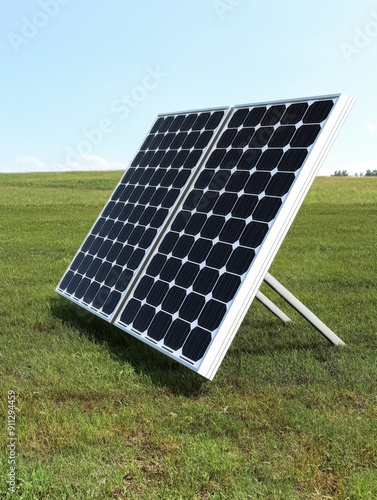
{"x": 94, "y": 162}
{"x": 26, "y": 162}
{"x": 85, "y": 162}
{"x": 372, "y": 128}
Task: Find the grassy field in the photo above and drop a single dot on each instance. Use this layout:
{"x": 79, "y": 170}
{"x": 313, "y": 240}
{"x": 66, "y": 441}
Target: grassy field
{"x": 100, "y": 415}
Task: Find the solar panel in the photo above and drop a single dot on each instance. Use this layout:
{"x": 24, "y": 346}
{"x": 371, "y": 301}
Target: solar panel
{"x": 204, "y": 262}
{"x": 115, "y": 248}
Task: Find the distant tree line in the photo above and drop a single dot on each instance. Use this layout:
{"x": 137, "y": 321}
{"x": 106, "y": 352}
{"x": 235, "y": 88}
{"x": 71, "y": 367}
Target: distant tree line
{"x": 340, "y": 173}
{"x": 344, "y": 173}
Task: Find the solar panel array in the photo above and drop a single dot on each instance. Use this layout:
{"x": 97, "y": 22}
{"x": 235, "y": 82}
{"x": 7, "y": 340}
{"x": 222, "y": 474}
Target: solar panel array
{"x": 174, "y": 250}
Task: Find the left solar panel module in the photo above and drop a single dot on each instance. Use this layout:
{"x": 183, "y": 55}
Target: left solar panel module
{"x": 140, "y": 208}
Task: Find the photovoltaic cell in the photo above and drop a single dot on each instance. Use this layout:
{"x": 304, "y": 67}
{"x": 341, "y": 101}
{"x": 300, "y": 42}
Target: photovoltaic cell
{"x": 185, "y": 240}
{"x": 116, "y": 246}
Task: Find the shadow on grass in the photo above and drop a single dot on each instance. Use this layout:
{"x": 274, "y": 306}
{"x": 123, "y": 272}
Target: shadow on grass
{"x": 145, "y": 360}
{"x": 264, "y": 337}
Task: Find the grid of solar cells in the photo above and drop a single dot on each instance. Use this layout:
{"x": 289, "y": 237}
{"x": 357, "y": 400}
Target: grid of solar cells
{"x": 193, "y": 277}
{"x": 118, "y": 242}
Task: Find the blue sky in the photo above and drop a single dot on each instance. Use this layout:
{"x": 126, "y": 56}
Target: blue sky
{"x": 82, "y": 81}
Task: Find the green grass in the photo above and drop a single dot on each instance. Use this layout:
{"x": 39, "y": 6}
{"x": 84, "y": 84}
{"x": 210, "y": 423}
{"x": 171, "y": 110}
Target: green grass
{"x": 100, "y": 415}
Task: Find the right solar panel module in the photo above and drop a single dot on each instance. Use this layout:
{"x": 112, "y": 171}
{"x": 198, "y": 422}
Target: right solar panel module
{"x": 201, "y": 279}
